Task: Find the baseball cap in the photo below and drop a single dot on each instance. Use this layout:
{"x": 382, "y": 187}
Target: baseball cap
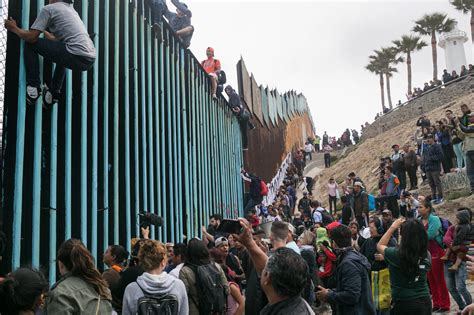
{"x": 221, "y": 241}
{"x": 359, "y": 184}
{"x": 395, "y": 145}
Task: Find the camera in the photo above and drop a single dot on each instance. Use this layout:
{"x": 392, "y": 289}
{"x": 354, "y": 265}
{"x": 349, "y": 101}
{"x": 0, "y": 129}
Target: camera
{"x": 148, "y": 218}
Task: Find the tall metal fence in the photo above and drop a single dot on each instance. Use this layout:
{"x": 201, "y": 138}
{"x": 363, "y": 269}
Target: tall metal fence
{"x": 139, "y": 132}
{"x": 3, "y": 55}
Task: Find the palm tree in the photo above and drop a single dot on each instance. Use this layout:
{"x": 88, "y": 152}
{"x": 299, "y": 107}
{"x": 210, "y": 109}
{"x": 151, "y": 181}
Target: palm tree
{"x": 375, "y": 67}
{"x": 466, "y": 6}
{"x": 407, "y": 45}
{"x": 431, "y": 24}
{"x": 387, "y": 57}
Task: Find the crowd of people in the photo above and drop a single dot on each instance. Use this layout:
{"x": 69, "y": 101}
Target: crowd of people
{"x": 446, "y": 78}
{"x": 433, "y": 84}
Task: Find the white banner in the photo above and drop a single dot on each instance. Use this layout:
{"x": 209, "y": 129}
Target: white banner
{"x": 276, "y": 182}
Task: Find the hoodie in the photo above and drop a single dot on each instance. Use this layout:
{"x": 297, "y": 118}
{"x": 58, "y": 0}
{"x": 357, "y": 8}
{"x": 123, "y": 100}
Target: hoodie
{"x": 353, "y": 294}
{"x": 155, "y": 284}
{"x": 463, "y": 228}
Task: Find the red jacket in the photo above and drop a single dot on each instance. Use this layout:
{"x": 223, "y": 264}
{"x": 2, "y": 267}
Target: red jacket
{"x": 328, "y": 265}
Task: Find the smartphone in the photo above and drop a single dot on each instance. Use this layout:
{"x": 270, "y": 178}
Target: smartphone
{"x": 230, "y": 226}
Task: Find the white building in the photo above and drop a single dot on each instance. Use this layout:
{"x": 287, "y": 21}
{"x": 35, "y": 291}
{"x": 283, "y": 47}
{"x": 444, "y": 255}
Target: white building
{"x": 454, "y": 52}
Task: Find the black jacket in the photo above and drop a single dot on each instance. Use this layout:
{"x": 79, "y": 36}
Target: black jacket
{"x": 432, "y": 157}
{"x": 353, "y": 294}
{"x": 369, "y": 249}
{"x": 346, "y": 214}
{"x": 464, "y": 230}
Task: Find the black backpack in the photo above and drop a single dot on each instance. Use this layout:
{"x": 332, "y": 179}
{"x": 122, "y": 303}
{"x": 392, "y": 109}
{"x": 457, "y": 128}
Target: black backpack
{"x": 211, "y": 292}
{"x": 221, "y": 77}
{"x": 151, "y": 304}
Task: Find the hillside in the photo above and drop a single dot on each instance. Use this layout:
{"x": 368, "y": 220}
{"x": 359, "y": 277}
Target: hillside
{"x": 364, "y": 160}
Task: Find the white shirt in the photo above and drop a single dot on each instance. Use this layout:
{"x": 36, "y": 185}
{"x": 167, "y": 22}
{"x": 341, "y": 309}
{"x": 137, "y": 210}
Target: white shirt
{"x": 292, "y": 245}
{"x": 317, "y": 216}
{"x": 308, "y": 148}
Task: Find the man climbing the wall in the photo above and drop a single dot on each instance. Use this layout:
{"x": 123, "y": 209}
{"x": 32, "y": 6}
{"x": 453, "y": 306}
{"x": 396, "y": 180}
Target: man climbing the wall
{"x": 66, "y": 43}
{"x": 180, "y": 22}
{"x": 242, "y": 114}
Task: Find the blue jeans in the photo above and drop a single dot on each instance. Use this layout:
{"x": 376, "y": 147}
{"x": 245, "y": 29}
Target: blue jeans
{"x": 53, "y": 51}
{"x": 460, "y": 159}
{"x": 456, "y": 282}
{"x": 470, "y": 168}
{"x": 252, "y": 203}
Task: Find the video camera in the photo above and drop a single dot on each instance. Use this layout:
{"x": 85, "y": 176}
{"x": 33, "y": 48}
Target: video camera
{"x": 148, "y": 218}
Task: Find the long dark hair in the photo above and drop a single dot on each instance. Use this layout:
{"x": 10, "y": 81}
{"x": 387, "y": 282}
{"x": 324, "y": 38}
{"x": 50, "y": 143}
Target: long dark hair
{"x": 21, "y": 291}
{"x": 80, "y": 263}
{"x": 413, "y": 247}
{"x": 197, "y": 253}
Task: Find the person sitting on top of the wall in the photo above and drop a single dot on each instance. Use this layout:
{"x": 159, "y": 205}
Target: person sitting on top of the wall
{"x": 66, "y": 43}
{"x": 212, "y": 67}
{"x": 180, "y": 22}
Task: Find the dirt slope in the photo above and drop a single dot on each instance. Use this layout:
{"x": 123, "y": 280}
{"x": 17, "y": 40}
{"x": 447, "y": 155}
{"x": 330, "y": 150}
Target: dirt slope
{"x": 365, "y": 158}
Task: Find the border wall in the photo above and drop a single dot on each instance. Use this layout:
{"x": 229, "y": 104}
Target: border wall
{"x": 283, "y": 124}
{"x": 139, "y": 132}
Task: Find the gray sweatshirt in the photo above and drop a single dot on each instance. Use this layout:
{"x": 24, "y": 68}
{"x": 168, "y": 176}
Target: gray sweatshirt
{"x": 154, "y": 284}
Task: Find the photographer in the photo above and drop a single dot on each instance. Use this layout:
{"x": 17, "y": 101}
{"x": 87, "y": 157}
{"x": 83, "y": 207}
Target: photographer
{"x": 283, "y": 276}
{"x": 423, "y": 122}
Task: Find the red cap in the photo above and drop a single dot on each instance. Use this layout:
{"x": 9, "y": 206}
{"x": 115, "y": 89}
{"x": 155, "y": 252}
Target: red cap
{"x": 332, "y": 226}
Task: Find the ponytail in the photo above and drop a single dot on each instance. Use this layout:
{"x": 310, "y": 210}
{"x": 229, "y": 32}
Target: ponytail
{"x": 80, "y": 263}
{"x": 21, "y": 291}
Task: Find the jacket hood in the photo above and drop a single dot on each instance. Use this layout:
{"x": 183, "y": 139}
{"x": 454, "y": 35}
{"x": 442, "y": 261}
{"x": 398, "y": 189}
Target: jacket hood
{"x": 156, "y": 284}
{"x": 463, "y": 217}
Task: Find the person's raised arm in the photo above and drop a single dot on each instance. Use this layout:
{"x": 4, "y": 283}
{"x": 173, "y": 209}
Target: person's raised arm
{"x": 258, "y": 256}
{"x": 30, "y": 36}
{"x": 181, "y": 7}
{"x": 382, "y": 244}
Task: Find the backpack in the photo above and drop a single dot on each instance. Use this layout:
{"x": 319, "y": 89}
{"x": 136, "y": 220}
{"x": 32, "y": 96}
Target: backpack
{"x": 263, "y": 188}
{"x": 371, "y": 202}
{"x": 326, "y": 217}
{"x": 151, "y": 304}
{"x": 211, "y": 292}
{"x": 221, "y": 77}
{"x": 445, "y": 224}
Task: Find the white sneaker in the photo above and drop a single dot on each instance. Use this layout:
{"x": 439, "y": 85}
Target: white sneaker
{"x": 32, "y": 94}
{"x": 48, "y": 97}
{"x": 214, "y": 96}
